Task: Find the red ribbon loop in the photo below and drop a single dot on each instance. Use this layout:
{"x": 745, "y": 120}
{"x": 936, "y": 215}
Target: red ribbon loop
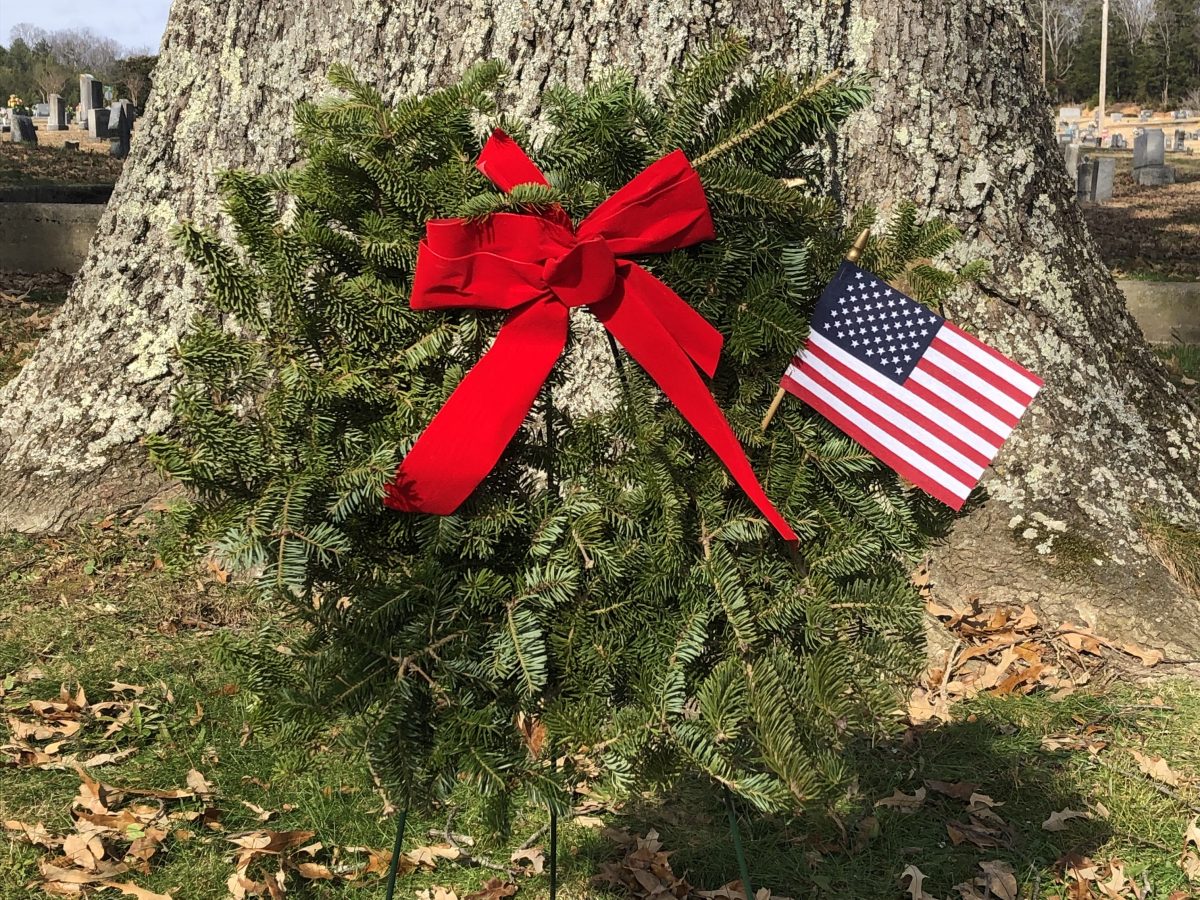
{"x": 537, "y": 267}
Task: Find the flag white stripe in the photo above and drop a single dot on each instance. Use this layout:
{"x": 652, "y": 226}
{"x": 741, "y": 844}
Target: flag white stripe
{"x": 1001, "y": 430}
{"x": 1019, "y": 380}
{"x": 985, "y": 444}
{"x": 970, "y": 379}
{"x": 910, "y": 456}
{"x": 936, "y": 444}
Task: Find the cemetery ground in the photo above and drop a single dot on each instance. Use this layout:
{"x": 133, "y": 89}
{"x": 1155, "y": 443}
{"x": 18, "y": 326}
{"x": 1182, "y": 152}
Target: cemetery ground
{"x": 137, "y": 750}
{"x": 1150, "y": 233}
{"x": 49, "y": 164}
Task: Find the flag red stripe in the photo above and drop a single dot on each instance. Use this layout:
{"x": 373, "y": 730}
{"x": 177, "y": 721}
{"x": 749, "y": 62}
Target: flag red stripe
{"x": 938, "y": 373}
{"x": 955, "y": 412}
{"x": 994, "y": 353}
{"x": 896, "y": 430}
{"x": 902, "y": 410}
{"x": 981, "y": 371}
{"x": 899, "y": 465}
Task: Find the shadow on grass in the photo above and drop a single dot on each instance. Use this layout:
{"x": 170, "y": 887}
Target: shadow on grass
{"x": 859, "y": 851}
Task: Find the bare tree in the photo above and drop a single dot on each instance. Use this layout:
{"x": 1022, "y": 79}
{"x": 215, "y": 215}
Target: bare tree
{"x": 27, "y": 32}
{"x": 49, "y": 76}
{"x": 1137, "y": 16}
{"x": 1064, "y": 26}
{"x": 83, "y": 50}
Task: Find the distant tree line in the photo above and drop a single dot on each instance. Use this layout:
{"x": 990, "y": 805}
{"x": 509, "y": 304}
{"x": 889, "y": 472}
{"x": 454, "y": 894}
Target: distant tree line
{"x": 1153, "y": 51}
{"x": 38, "y": 63}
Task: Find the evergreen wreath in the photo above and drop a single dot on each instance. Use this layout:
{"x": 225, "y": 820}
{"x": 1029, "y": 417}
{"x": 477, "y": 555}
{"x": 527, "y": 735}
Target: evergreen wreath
{"x": 607, "y": 588}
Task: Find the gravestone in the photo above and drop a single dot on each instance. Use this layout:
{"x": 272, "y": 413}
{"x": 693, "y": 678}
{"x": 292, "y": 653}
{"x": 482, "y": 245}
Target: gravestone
{"x": 1104, "y": 168}
{"x": 41, "y": 110}
{"x": 1118, "y": 142}
{"x": 1149, "y": 156}
{"x": 1144, "y": 115}
{"x": 98, "y": 123}
{"x": 91, "y": 96}
{"x": 1180, "y": 140}
{"x": 120, "y": 130}
{"x": 1116, "y": 117}
{"x": 1149, "y": 148}
{"x": 1069, "y": 113}
{"x": 57, "y": 119}
{"x": 70, "y": 145}
{"x": 22, "y": 131}
{"x": 1071, "y": 152}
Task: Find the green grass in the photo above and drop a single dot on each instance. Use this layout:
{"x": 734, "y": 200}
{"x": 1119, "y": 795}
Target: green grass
{"x": 1181, "y": 359}
{"x": 98, "y": 606}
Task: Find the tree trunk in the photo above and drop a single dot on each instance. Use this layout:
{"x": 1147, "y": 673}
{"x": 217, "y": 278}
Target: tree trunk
{"x": 958, "y": 125}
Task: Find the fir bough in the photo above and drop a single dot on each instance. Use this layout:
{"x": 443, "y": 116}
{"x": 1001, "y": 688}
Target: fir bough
{"x": 607, "y": 582}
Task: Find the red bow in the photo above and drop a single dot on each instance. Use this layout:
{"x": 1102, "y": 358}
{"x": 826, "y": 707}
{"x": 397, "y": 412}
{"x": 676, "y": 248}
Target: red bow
{"x": 538, "y": 267}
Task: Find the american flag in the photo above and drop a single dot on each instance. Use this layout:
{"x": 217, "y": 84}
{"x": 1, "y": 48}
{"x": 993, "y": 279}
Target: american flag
{"x": 919, "y": 393}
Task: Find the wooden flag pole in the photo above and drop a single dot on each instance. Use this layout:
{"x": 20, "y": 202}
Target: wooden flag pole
{"x": 860, "y": 244}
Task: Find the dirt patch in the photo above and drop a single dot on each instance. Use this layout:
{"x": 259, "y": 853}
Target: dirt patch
{"x": 1151, "y": 232}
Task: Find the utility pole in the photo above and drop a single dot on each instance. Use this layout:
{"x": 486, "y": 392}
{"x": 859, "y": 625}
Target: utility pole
{"x": 1103, "y": 63}
{"x": 1044, "y": 43}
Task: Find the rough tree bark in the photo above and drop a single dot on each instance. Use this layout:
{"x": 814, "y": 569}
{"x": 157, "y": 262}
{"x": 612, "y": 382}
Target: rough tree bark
{"x": 958, "y": 125}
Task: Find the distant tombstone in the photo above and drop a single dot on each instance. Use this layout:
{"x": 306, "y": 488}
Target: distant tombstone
{"x": 98, "y": 123}
{"x": 1104, "y": 168}
{"x": 1071, "y": 154}
{"x": 1118, "y": 142}
{"x": 1180, "y": 140}
{"x": 85, "y": 99}
{"x": 22, "y": 131}
{"x": 41, "y": 110}
{"x": 1149, "y": 148}
{"x": 70, "y": 145}
{"x": 1144, "y": 115}
{"x": 120, "y": 130}
{"x": 1069, "y": 113}
{"x": 56, "y": 119}
{"x": 1116, "y": 117}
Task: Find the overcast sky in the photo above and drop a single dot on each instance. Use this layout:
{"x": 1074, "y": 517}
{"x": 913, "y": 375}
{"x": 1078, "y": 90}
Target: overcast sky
{"x": 134, "y": 23}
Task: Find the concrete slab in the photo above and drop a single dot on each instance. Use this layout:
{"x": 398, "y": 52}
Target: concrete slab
{"x": 1165, "y": 309}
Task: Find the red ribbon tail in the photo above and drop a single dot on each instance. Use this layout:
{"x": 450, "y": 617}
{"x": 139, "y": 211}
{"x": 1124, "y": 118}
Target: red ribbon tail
{"x": 690, "y": 330}
{"x": 468, "y": 435}
{"x": 631, "y": 321}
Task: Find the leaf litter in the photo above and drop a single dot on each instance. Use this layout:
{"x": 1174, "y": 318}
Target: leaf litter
{"x": 1005, "y": 650}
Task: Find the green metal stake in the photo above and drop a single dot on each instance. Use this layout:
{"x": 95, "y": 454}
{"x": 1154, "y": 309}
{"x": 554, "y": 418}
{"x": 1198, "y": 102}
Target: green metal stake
{"x": 736, "y": 834}
{"x": 394, "y": 869}
{"x": 553, "y": 855}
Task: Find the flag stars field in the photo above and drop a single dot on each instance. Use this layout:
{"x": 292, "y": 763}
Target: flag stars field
{"x": 921, "y": 394}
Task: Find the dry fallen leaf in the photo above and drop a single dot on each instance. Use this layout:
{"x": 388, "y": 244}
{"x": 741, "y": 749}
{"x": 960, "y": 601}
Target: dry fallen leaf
{"x": 495, "y": 889}
{"x": 35, "y": 834}
{"x": 198, "y": 784}
{"x": 1058, "y": 820}
{"x": 431, "y": 855}
{"x": 534, "y": 857}
{"x": 902, "y": 802}
{"x": 437, "y": 892}
{"x": 1156, "y": 767}
{"x": 959, "y": 790}
{"x": 916, "y": 883}
{"x": 132, "y": 890}
{"x": 314, "y": 871}
{"x": 999, "y": 880}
